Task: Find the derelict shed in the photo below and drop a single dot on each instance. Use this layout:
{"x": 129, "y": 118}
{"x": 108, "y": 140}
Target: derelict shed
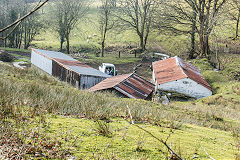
{"x": 127, "y": 85}
{"x": 175, "y": 75}
{"x": 67, "y": 69}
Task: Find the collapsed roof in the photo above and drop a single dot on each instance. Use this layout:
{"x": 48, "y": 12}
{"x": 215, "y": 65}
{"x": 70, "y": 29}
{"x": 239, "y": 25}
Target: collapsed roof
{"x": 130, "y": 85}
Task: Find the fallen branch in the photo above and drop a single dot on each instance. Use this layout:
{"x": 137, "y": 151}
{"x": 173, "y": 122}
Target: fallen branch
{"x": 207, "y": 153}
{"x": 160, "y": 140}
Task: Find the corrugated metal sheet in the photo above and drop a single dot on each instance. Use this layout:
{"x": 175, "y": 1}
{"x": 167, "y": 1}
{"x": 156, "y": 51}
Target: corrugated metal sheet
{"x": 88, "y": 71}
{"x": 110, "y": 82}
{"x": 71, "y": 63}
{"x": 87, "y": 81}
{"x": 131, "y": 85}
{"x": 41, "y": 62}
{"x": 193, "y": 73}
{"x": 173, "y": 69}
{"x": 53, "y": 54}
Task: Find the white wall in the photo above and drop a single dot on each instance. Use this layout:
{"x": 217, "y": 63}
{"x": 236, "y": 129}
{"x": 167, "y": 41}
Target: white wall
{"x": 186, "y": 86}
{"x": 41, "y": 62}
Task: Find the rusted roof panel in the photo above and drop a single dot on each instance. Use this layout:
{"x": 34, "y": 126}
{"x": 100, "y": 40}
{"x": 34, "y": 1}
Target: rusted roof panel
{"x": 167, "y": 70}
{"x": 175, "y": 68}
{"x": 131, "y": 85}
{"x": 193, "y": 73}
{"x": 109, "y": 82}
{"x": 72, "y": 63}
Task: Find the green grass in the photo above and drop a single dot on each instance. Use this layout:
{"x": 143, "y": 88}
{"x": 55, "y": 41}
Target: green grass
{"x": 133, "y": 143}
{"x": 15, "y": 49}
{"x": 111, "y": 58}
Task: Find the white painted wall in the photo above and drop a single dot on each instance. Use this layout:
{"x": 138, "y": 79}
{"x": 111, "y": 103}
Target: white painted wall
{"x": 186, "y": 86}
{"x": 41, "y": 62}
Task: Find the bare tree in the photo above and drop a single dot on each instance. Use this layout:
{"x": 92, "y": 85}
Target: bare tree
{"x": 106, "y": 20}
{"x": 207, "y": 14}
{"x": 200, "y": 16}
{"x": 138, "y": 14}
{"x": 235, "y": 14}
{"x": 67, "y": 15}
{"x": 177, "y": 18}
{"x": 30, "y": 28}
{"x": 22, "y": 33}
{"x": 19, "y": 20}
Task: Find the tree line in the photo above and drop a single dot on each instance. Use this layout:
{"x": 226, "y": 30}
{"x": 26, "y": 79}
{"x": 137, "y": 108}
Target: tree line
{"x": 195, "y": 18}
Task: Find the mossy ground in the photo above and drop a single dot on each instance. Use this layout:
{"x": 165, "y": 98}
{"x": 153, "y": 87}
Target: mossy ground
{"x": 133, "y": 143}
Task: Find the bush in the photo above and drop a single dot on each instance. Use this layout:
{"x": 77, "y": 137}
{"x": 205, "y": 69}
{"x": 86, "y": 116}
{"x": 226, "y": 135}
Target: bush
{"x": 233, "y": 70}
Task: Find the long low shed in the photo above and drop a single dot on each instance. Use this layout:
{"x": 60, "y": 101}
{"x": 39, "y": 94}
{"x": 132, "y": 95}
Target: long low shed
{"x": 67, "y": 68}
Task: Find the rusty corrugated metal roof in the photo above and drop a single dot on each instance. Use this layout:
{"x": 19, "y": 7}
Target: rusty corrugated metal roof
{"x": 71, "y": 63}
{"x": 175, "y": 68}
{"x": 131, "y": 85}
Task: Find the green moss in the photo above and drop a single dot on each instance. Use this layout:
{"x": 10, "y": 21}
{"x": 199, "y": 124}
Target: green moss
{"x": 212, "y": 76}
{"x": 202, "y": 64}
{"x": 124, "y": 143}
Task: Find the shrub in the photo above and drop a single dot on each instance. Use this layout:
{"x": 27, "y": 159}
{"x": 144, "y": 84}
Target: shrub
{"x": 103, "y": 128}
{"x": 232, "y": 70}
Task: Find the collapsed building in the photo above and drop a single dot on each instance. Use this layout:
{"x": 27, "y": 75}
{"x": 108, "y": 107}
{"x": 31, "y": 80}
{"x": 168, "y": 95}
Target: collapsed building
{"x": 127, "y": 86}
{"x": 171, "y": 76}
{"x": 174, "y": 76}
{"x": 67, "y": 68}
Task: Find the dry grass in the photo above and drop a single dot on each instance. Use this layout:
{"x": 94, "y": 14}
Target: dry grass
{"x": 39, "y": 91}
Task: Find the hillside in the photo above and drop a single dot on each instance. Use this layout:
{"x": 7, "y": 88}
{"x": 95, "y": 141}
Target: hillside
{"x": 86, "y": 125}
{"x": 44, "y": 118}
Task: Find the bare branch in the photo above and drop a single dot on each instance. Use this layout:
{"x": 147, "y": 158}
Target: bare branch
{"x": 37, "y": 7}
{"x": 158, "y": 139}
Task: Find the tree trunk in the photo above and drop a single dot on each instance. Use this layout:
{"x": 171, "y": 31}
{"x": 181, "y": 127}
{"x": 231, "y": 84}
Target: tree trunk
{"x": 237, "y": 25}
{"x": 104, "y": 33}
{"x": 201, "y": 43}
{"x": 204, "y": 46}
{"x": 192, "y": 51}
{"x": 103, "y": 47}
{"x": 142, "y": 46}
{"x": 207, "y": 48}
{"x": 68, "y": 44}
{"x": 61, "y": 43}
